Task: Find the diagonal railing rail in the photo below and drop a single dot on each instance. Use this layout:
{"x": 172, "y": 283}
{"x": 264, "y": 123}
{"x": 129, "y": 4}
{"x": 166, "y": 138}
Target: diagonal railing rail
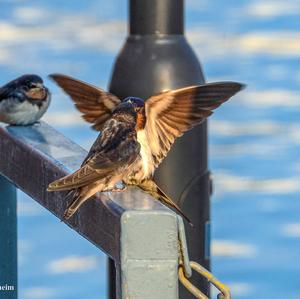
{"x": 136, "y": 231}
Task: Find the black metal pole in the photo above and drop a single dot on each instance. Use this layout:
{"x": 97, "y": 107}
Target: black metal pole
{"x": 156, "y": 56}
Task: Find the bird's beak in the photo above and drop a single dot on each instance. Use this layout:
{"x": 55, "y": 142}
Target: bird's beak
{"x": 38, "y": 92}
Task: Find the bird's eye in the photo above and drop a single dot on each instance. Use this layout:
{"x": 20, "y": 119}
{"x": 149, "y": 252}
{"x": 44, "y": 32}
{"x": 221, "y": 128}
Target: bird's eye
{"x": 25, "y": 88}
{"x": 32, "y": 85}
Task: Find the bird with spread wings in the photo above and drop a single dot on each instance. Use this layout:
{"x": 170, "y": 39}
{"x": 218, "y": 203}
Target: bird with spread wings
{"x": 135, "y": 135}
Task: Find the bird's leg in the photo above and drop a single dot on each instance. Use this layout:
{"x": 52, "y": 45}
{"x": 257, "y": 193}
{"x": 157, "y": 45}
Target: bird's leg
{"x": 116, "y": 189}
{"x": 119, "y": 187}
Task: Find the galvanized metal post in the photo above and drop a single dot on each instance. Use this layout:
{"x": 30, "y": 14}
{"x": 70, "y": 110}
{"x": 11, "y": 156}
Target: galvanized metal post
{"x": 8, "y": 240}
{"x": 156, "y": 56}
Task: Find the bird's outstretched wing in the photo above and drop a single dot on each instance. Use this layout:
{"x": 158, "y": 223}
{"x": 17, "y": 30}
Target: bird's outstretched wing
{"x": 171, "y": 113}
{"x": 95, "y": 104}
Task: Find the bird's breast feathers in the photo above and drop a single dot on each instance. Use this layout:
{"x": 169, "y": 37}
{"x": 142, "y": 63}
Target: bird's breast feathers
{"x": 22, "y": 113}
{"x": 146, "y": 154}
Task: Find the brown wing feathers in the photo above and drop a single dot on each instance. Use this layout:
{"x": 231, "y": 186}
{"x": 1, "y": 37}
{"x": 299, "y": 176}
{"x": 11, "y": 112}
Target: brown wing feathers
{"x": 168, "y": 115}
{"x": 95, "y": 104}
{"x": 74, "y": 180}
{"x": 171, "y": 113}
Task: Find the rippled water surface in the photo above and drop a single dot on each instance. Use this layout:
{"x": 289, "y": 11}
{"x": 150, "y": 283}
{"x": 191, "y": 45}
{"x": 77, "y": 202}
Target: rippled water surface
{"x": 254, "y": 139}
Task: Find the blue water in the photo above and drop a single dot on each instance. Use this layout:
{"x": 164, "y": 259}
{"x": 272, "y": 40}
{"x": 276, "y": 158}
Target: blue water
{"x": 254, "y": 139}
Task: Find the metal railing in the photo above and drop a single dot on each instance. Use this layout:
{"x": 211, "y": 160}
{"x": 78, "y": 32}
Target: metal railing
{"x": 136, "y": 231}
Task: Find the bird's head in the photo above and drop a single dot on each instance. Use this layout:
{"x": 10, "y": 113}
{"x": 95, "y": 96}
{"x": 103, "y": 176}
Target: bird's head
{"x": 27, "y": 87}
{"x": 138, "y": 106}
{"x": 134, "y": 110}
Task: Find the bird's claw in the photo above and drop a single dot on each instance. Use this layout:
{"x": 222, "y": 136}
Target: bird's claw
{"x": 117, "y": 189}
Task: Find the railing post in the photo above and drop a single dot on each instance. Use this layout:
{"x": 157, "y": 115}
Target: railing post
{"x": 8, "y": 240}
{"x": 155, "y": 57}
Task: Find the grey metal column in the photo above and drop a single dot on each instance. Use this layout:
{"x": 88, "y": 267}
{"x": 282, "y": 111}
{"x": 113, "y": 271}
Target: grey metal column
{"x": 156, "y": 56}
{"x": 8, "y": 240}
{"x": 149, "y": 255}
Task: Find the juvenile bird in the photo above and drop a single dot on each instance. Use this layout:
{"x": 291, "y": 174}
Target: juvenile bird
{"x": 135, "y": 135}
{"x": 24, "y": 100}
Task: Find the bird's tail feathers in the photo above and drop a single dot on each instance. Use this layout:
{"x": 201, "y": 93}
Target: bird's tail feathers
{"x": 81, "y": 195}
{"x": 78, "y": 199}
{"x": 151, "y": 187}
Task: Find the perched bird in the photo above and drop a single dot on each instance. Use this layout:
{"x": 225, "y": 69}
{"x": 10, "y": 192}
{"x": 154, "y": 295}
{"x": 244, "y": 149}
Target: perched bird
{"x": 24, "y": 100}
{"x": 135, "y": 135}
